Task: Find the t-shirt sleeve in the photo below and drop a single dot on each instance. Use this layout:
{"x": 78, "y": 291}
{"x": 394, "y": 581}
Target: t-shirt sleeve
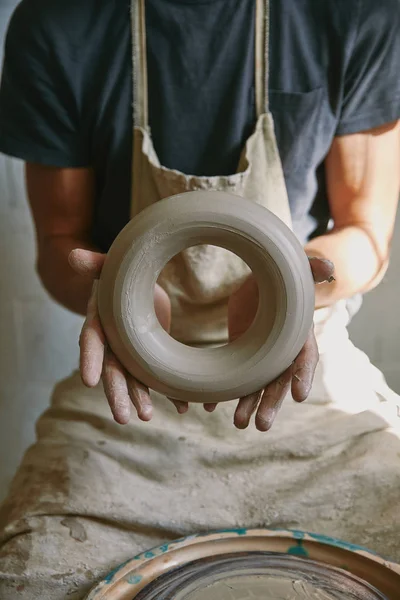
{"x": 371, "y": 91}
{"x": 39, "y": 118}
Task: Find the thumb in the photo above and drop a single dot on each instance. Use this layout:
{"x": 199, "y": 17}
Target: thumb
{"x": 322, "y": 269}
{"x": 86, "y": 262}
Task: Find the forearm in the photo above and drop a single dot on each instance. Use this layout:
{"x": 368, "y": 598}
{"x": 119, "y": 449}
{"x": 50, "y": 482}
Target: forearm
{"x": 67, "y": 287}
{"x": 360, "y": 262}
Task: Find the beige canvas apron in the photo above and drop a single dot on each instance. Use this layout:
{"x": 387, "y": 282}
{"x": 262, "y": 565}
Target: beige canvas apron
{"x": 200, "y": 280}
{"x": 90, "y": 494}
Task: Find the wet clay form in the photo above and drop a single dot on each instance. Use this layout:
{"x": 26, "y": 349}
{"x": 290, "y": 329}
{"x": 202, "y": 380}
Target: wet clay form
{"x": 253, "y": 564}
{"x": 259, "y": 238}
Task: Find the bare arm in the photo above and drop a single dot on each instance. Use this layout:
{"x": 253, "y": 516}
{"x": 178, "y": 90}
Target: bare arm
{"x": 62, "y": 205}
{"x": 61, "y": 202}
{"x": 363, "y": 178}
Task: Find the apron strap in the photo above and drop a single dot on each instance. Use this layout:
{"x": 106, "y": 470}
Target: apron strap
{"x": 262, "y": 56}
{"x": 139, "y": 59}
{"x": 139, "y": 65}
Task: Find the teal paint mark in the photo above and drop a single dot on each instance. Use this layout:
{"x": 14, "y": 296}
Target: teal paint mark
{"x": 134, "y": 579}
{"x": 325, "y": 539}
{"x": 298, "y": 550}
{"x": 237, "y": 531}
{"x": 112, "y": 573}
{"x": 240, "y": 531}
{"x": 153, "y": 552}
{"x": 297, "y": 534}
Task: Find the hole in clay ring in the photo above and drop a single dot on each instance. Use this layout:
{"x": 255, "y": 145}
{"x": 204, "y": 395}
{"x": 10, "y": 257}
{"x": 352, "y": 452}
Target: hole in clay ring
{"x": 258, "y": 237}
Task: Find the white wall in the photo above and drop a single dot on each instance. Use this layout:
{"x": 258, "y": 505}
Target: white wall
{"x": 38, "y": 340}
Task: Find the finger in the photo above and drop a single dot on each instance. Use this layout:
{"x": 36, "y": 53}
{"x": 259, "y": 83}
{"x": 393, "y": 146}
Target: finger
{"x": 140, "y": 397}
{"x": 86, "y": 262}
{"x": 322, "y": 269}
{"x": 272, "y": 399}
{"x": 91, "y": 342}
{"x": 180, "y": 406}
{"x": 210, "y": 406}
{"x": 115, "y": 387}
{"x": 303, "y": 369}
{"x": 245, "y": 409}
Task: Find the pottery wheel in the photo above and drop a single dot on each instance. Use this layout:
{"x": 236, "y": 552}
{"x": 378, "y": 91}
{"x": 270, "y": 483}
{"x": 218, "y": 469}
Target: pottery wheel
{"x": 258, "y": 576}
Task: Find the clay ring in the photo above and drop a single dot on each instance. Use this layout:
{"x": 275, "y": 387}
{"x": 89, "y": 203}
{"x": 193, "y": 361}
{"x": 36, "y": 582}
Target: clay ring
{"x": 257, "y": 236}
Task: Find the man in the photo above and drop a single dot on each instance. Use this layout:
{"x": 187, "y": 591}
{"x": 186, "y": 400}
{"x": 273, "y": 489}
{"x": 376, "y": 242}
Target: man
{"x": 65, "y": 109}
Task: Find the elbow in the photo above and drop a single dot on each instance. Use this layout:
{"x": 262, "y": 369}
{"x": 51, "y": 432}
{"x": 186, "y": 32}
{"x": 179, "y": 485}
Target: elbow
{"x": 381, "y": 249}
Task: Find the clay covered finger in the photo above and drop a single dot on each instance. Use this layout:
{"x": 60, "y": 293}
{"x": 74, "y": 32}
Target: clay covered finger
{"x": 116, "y": 389}
{"x": 140, "y": 396}
{"x": 91, "y": 342}
{"x": 181, "y": 407}
{"x": 246, "y": 408}
{"x": 86, "y": 262}
{"x": 304, "y": 368}
{"x": 271, "y": 401}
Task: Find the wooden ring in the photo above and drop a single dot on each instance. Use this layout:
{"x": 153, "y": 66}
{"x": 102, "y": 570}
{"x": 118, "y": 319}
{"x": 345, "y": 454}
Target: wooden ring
{"x": 257, "y": 236}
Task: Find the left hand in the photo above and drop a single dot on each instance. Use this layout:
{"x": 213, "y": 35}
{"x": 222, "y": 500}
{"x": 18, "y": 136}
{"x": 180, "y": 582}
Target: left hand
{"x": 298, "y": 377}
{"x": 242, "y": 308}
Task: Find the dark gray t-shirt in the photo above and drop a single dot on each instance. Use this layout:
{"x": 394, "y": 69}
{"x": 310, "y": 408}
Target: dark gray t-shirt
{"x": 66, "y": 92}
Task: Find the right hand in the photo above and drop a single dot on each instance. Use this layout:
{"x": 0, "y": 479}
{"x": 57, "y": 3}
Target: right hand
{"x": 97, "y": 361}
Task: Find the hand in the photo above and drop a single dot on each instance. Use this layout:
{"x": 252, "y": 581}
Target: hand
{"x": 299, "y": 376}
{"x": 97, "y": 361}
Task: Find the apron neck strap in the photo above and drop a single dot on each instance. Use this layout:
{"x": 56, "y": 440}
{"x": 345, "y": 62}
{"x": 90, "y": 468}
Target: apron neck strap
{"x": 139, "y": 59}
{"x": 261, "y": 71}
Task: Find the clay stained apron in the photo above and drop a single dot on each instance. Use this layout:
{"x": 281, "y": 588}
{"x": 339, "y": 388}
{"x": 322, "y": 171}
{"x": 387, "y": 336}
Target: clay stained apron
{"x": 200, "y": 280}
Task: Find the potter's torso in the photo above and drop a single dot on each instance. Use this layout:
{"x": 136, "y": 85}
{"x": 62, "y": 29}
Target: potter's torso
{"x": 89, "y": 45}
